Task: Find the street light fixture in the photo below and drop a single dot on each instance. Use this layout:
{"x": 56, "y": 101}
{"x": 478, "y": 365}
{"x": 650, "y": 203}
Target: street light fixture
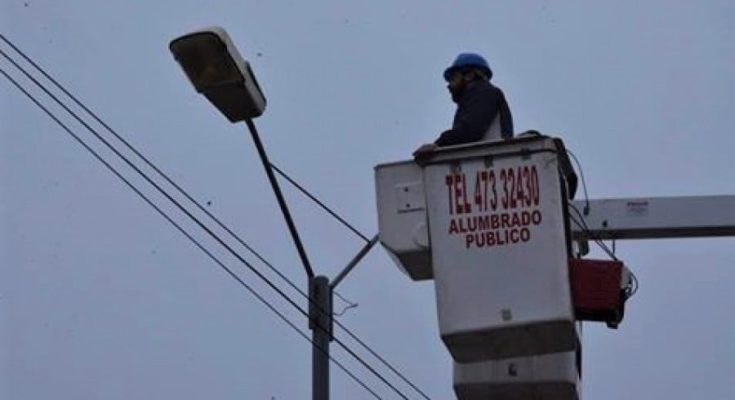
{"x": 217, "y": 70}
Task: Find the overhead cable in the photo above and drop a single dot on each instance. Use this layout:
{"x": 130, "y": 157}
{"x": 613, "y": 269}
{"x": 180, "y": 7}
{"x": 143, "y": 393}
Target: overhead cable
{"x": 205, "y": 228}
{"x": 213, "y": 217}
{"x": 203, "y": 209}
{"x": 183, "y": 231}
{"x": 321, "y": 204}
{"x": 197, "y": 221}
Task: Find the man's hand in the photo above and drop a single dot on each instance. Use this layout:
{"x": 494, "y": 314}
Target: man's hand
{"x": 424, "y": 153}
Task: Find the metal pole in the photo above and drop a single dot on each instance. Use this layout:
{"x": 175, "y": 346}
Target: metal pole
{"x": 279, "y": 196}
{"x": 358, "y": 257}
{"x": 320, "y": 291}
{"x": 320, "y": 323}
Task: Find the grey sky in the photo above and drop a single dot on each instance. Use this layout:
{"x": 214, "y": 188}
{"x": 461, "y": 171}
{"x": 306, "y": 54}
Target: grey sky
{"x": 101, "y": 299}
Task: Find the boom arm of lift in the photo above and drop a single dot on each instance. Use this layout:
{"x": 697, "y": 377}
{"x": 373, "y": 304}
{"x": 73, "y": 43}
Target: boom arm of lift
{"x": 653, "y": 217}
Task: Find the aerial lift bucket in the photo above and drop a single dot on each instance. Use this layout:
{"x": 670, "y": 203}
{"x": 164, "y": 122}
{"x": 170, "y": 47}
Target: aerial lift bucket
{"x": 493, "y": 217}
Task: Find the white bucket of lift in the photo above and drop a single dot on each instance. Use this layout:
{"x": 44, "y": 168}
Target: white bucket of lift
{"x": 402, "y": 222}
{"x": 499, "y": 243}
{"x": 550, "y": 376}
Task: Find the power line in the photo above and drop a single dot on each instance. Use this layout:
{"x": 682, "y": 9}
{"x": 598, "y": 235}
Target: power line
{"x": 183, "y": 231}
{"x": 209, "y": 214}
{"x": 213, "y": 217}
{"x": 204, "y": 227}
{"x": 151, "y": 164}
{"x": 147, "y": 161}
{"x": 197, "y": 221}
{"x": 321, "y": 204}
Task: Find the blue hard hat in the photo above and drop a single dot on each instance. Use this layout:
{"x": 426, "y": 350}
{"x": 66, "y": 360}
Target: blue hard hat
{"x": 469, "y": 60}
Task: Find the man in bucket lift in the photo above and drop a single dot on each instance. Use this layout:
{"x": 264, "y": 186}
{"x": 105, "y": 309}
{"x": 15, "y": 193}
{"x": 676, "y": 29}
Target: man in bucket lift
{"x": 482, "y": 111}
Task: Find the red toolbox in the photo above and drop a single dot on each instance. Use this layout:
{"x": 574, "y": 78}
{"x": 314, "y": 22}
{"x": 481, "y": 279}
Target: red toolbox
{"x": 597, "y": 290}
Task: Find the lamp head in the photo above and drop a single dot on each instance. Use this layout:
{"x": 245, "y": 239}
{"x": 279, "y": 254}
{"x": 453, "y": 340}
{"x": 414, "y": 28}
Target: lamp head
{"x": 217, "y": 70}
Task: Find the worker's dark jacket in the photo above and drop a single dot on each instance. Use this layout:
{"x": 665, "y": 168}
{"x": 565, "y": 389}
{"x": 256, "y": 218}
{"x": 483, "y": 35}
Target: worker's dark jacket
{"x": 482, "y": 113}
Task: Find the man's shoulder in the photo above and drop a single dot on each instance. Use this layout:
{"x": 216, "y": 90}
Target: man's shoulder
{"x": 487, "y": 90}
{"x": 489, "y": 87}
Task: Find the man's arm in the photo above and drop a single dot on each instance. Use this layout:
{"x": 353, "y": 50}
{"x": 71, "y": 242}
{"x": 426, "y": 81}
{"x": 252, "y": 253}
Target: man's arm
{"x": 473, "y": 117}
